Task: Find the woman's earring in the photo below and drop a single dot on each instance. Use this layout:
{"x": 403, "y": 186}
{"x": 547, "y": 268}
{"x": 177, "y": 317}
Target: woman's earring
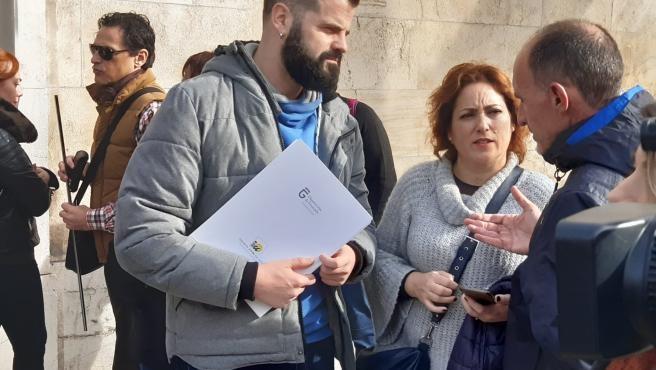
{"x": 282, "y": 35}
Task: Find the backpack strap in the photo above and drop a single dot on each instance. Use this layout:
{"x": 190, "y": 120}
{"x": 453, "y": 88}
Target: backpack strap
{"x": 352, "y": 104}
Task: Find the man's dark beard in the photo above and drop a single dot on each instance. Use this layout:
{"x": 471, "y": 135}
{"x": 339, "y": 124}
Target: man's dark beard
{"x": 306, "y": 71}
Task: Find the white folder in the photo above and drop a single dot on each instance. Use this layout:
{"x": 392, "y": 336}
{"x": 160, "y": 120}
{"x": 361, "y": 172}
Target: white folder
{"x": 295, "y": 207}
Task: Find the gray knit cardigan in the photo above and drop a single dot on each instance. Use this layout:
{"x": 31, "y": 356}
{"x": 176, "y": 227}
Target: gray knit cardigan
{"x": 421, "y": 229}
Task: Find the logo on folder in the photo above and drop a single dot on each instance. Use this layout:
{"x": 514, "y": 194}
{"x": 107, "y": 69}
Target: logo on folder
{"x": 257, "y": 246}
{"x": 305, "y": 192}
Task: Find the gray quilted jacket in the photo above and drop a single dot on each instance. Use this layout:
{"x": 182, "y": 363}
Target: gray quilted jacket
{"x": 211, "y": 136}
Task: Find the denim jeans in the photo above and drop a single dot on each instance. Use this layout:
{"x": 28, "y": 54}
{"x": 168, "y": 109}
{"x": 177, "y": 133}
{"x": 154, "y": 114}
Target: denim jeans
{"x": 359, "y": 315}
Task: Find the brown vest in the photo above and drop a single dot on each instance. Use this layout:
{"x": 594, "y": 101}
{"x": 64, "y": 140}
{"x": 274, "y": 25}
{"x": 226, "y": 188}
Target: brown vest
{"x": 104, "y": 188}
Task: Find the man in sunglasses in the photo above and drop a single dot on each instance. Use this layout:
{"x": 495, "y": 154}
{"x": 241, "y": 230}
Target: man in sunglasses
{"x": 127, "y": 96}
{"x": 217, "y": 131}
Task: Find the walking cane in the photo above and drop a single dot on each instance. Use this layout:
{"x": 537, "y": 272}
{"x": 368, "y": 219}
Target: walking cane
{"x": 70, "y": 201}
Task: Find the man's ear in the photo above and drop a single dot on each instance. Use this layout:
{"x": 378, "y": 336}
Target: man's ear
{"x": 559, "y": 97}
{"x": 281, "y": 18}
{"x": 141, "y": 58}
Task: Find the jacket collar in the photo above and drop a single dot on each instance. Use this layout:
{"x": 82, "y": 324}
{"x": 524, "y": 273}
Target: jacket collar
{"x": 454, "y": 206}
{"x": 607, "y": 140}
{"x": 16, "y": 124}
{"x": 245, "y": 52}
{"x": 106, "y": 95}
{"x": 335, "y": 124}
{"x": 335, "y": 121}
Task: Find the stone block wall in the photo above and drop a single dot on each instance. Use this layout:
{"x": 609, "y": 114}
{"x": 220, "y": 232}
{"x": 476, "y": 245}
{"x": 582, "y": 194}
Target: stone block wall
{"x": 399, "y": 50}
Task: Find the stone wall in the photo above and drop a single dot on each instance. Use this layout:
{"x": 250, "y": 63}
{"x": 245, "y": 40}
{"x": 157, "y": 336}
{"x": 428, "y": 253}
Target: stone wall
{"x": 399, "y": 51}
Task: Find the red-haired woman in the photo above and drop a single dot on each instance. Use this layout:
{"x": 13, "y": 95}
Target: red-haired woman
{"x": 195, "y": 63}
{"x": 25, "y": 192}
{"x": 477, "y": 142}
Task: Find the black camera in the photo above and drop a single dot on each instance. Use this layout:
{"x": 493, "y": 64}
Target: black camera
{"x": 76, "y": 173}
{"x": 648, "y": 134}
{"x": 606, "y": 273}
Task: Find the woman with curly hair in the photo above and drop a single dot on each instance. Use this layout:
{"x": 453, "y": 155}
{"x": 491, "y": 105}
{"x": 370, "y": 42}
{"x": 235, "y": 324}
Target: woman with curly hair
{"x": 478, "y": 143}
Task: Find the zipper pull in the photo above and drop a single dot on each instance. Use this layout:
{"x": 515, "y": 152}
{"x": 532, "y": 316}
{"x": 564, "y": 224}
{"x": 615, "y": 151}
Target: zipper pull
{"x": 558, "y": 174}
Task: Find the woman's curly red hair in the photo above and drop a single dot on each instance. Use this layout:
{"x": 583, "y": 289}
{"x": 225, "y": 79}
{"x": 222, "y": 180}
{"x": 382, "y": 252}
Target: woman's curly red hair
{"x": 442, "y": 101}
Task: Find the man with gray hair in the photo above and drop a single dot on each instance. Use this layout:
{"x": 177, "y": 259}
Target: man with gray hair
{"x": 214, "y": 133}
{"x": 568, "y": 78}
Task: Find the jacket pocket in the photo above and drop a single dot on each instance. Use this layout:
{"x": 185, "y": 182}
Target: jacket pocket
{"x": 341, "y": 161}
{"x": 204, "y": 330}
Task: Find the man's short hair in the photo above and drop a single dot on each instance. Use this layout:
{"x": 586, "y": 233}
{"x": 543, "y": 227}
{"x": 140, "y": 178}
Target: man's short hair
{"x": 579, "y": 52}
{"x": 299, "y": 6}
{"x": 137, "y": 33}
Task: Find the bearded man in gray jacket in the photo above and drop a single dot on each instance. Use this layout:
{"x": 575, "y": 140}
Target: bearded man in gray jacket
{"x": 213, "y": 134}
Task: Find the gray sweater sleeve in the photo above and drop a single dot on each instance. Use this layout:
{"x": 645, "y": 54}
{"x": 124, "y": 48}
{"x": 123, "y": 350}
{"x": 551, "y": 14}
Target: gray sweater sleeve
{"x": 392, "y": 263}
{"x": 154, "y": 213}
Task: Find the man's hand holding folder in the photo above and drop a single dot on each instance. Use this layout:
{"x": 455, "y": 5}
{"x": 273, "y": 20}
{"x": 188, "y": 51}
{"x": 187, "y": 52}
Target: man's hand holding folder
{"x": 314, "y": 216}
{"x": 278, "y": 283}
{"x": 336, "y": 270}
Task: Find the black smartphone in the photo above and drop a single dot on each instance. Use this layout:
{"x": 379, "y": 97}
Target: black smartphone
{"x": 481, "y": 296}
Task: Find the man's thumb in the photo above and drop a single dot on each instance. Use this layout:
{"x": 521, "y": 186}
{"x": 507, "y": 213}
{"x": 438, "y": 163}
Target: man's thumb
{"x": 301, "y": 263}
{"x": 521, "y": 199}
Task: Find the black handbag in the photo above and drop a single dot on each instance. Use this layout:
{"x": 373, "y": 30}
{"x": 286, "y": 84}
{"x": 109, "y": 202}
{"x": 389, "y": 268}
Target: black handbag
{"x": 417, "y": 358}
{"x": 86, "y": 252}
{"x": 84, "y": 240}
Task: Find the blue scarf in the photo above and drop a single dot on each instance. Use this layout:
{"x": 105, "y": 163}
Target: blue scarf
{"x": 298, "y": 120}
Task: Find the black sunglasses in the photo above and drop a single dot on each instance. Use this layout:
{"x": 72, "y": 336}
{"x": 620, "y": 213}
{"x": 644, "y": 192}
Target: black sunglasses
{"x": 105, "y": 52}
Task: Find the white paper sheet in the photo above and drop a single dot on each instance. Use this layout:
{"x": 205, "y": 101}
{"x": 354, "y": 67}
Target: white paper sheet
{"x": 295, "y": 207}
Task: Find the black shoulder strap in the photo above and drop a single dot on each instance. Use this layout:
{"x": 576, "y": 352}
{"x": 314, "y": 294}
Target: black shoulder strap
{"x": 468, "y": 246}
{"x": 99, "y": 155}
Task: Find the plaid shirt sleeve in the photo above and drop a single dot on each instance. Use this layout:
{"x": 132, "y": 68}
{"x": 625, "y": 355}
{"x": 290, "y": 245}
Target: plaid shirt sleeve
{"x": 145, "y": 117}
{"x": 102, "y": 218}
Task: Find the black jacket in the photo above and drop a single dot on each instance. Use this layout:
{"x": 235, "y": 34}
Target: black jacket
{"x": 597, "y": 164}
{"x": 380, "y": 175}
{"x": 23, "y": 195}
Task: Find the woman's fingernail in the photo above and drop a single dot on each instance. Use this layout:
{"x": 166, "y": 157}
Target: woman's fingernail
{"x": 497, "y": 298}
